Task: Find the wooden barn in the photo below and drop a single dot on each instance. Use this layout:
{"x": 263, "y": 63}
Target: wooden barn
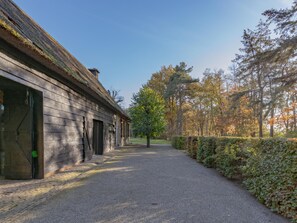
{"x": 54, "y": 112}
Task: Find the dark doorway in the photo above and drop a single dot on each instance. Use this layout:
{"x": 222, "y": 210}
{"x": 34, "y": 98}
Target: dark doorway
{"x": 21, "y": 147}
{"x": 98, "y": 137}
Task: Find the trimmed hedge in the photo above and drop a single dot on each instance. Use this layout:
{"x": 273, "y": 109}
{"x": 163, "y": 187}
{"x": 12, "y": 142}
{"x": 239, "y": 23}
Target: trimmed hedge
{"x": 192, "y": 146}
{"x": 232, "y": 154}
{"x": 271, "y": 175}
{"x": 267, "y": 167}
{"x": 179, "y": 142}
{"x": 206, "y": 151}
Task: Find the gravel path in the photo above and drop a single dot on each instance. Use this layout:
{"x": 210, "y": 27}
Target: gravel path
{"x": 152, "y": 185}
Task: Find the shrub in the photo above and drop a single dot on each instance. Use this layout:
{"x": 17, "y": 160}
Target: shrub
{"x": 179, "y": 142}
{"x": 232, "y": 153}
{"x": 192, "y": 146}
{"x": 291, "y": 134}
{"x": 188, "y": 144}
{"x": 173, "y": 141}
{"x": 206, "y": 151}
{"x": 271, "y": 175}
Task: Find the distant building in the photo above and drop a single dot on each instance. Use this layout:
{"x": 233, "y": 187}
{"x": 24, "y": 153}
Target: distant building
{"x": 54, "y": 112}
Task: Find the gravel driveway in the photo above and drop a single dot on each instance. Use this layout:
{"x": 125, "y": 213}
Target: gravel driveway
{"x": 152, "y": 185}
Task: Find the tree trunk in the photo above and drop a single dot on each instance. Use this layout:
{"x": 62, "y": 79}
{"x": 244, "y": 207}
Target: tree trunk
{"x": 177, "y": 116}
{"x": 271, "y": 134}
{"x": 210, "y": 127}
{"x": 273, "y": 99}
{"x": 148, "y": 141}
{"x": 294, "y": 119}
{"x": 287, "y": 116}
{"x": 261, "y": 113}
{"x": 180, "y": 116}
{"x": 261, "y": 124}
{"x": 171, "y": 126}
{"x": 207, "y": 127}
{"x": 294, "y": 115}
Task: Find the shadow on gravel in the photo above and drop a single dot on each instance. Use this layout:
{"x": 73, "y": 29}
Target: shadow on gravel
{"x": 116, "y": 168}
{"x": 158, "y": 184}
{"x": 17, "y": 196}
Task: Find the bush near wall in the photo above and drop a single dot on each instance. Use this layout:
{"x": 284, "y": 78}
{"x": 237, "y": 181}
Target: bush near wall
{"x": 267, "y": 167}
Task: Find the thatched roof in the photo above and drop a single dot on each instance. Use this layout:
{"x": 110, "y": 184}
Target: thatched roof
{"x": 19, "y": 30}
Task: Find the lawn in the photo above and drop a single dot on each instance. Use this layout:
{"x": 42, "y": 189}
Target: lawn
{"x": 153, "y": 141}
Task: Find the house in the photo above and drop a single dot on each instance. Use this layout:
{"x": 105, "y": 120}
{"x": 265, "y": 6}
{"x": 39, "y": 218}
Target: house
{"x": 54, "y": 112}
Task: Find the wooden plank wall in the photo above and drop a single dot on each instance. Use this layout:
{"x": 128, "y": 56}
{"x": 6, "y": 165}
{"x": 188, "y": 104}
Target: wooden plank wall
{"x": 63, "y": 110}
{"x": 118, "y": 131}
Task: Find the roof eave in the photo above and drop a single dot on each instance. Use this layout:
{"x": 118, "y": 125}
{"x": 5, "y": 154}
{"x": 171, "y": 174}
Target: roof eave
{"x": 37, "y": 56}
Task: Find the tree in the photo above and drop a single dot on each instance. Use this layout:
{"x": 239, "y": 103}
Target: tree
{"x": 115, "y": 94}
{"x": 158, "y": 82}
{"x": 254, "y": 69}
{"x": 210, "y": 104}
{"x": 147, "y": 114}
{"x": 284, "y": 54}
{"x": 179, "y": 88}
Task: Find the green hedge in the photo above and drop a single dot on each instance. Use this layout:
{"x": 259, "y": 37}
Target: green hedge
{"x": 271, "y": 175}
{"x": 179, "y": 142}
{"x": 206, "y": 151}
{"x": 192, "y": 146}
{"x": 233, "y": 153}
{"x": 267, "y": 167}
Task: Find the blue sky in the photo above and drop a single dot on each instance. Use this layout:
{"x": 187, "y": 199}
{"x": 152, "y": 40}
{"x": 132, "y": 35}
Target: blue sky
{"x": 128, "y": 40}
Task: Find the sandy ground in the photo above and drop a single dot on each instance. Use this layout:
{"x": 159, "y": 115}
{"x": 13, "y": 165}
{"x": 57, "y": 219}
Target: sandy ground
{"x": 19, "y": 196}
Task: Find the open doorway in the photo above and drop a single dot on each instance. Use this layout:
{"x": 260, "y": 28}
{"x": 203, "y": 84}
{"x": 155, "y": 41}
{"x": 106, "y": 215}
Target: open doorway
{"x": 21, "y": 131}
{"x": 98, "y": 137}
